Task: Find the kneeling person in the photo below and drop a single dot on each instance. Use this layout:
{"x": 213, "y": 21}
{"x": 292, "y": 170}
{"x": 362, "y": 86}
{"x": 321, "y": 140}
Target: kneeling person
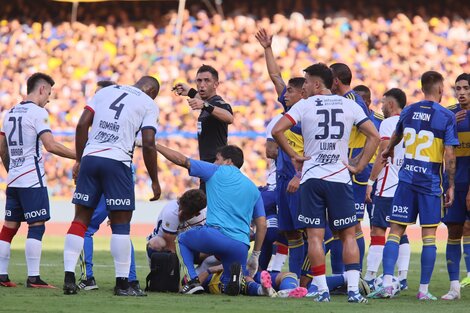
{"x": 176, "y": 217}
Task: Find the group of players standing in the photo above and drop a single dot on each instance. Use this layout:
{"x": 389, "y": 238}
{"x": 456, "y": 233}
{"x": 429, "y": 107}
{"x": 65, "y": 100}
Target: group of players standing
{"x": 328, "y": 171}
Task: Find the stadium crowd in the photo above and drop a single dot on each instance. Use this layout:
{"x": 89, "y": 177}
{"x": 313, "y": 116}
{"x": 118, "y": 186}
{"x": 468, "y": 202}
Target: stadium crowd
{"x": 79, "y": 54}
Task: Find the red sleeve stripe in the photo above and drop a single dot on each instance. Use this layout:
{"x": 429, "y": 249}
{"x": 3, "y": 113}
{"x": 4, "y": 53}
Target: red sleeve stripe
{"x": 385, "y": 138}
{"x": 90, "y": 109}
{"x": 290, "y": 118}
{"x": 2, "y": 133}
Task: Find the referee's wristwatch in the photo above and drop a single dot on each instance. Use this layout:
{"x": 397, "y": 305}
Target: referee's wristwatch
{"x": 208, "y": 107}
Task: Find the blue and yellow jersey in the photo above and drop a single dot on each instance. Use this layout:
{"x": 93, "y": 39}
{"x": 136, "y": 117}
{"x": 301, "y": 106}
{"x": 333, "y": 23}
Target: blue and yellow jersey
{"x": 426, "y": 127}
{"x": 462, "y": 151}
{"x": 357, "y": 140}
{"x": 285, "y": 168}
{"x": 212, "y": 284}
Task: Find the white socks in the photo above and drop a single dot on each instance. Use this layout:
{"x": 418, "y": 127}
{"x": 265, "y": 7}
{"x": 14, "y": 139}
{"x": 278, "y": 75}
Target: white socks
{"x": 121, "y": 252}
{"x": 424, "y": 288}
{"x": 278, "y": 262}
{"x": 4, "y": 257}
{"x": 352, "y": 277}
{"x": 33, "y": 248}
{"x": 320, "y": 281}
{"x": 374, "y": 258}
{"x": 403, "y": 261}
{"x": 72, "y": 248}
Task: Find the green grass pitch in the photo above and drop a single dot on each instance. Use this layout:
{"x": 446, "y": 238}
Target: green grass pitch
{"x": 22, "y": 299}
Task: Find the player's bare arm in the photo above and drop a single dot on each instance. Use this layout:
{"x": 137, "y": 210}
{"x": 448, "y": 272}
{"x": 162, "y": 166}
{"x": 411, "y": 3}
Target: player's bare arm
{"x": 376, "y": 169}
{"x": 261, "y": 230}
{"x": 174, "y": 156}
{"x": 372, "y": 141}
{"x": 467, "y": 199}
{"x": 81, "y": 135}
{"x": 4, "y": 153}
{"x": 219, "y": 113}
{"x": 149, "y": 153}
{"x": 274, "y": 71}
{"x": 388, "y": 152}
{"x": 55, "y": 147}
{"x": 450, "y": 164}
{"x": 278, "y": 134}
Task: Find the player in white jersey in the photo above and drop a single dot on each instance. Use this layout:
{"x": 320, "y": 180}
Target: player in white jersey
{"x": 177, "y": 216}
{"x": 386, "y": 176}
{"x": 25, "y": 130}
{"x": 271, "y": 151}
{"x": 115, "y": 114}
{"x": 327, "y": 121}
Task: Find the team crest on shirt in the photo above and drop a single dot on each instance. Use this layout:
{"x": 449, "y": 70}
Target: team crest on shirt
{"x": 167, "y": 224}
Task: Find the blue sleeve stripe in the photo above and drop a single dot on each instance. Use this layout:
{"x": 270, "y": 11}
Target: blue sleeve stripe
{"x": 149, "y": 127}
{"x": 364, "y": 120}
{"x": 44, "y": 131}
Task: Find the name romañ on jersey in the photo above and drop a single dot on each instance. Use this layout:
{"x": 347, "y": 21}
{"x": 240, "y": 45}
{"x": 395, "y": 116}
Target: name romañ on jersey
{"x": 421, "y": 116}
{"x": 109, "y": 126}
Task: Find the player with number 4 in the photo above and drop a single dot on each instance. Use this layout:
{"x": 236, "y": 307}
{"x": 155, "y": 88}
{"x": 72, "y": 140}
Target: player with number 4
{"x": 104, "y": 156}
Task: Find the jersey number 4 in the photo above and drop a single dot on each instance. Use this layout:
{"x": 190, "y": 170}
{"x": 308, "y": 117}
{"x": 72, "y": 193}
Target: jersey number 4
{"x": 330, "y": 116}
{"x": 414, "y": 150}
{"x": 117, "y": 106}
{"x": 15, "y": 121}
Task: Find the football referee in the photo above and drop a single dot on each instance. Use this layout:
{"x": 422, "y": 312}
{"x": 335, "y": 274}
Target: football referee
{"x": 216, "y": 114}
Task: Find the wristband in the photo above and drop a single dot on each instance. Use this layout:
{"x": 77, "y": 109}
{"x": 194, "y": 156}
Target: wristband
{"x": 192, "y": 93}
{"x": 371, "y": 182}
{"x": 209, "y": 108}
{"x": 256, "y": 253}
{"x": 298, "y": 174}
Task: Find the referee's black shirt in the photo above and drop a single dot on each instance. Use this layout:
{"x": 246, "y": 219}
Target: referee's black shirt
{"x": 212, "y": 133}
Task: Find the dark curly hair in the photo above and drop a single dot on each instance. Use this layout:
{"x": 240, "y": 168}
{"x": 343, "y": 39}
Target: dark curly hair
{"x": 191, "y": 203}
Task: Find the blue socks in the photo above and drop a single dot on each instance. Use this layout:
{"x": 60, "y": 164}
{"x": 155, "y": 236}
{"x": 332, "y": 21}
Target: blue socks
{"x": 428, "y": 258}
{"x": 390, "y": 254}
{"x": 336, "y": 251}
{"x": 296, "y": 255}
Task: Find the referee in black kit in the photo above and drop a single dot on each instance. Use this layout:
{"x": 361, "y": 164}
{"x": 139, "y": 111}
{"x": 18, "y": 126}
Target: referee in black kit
{"x": 216, "y": 114}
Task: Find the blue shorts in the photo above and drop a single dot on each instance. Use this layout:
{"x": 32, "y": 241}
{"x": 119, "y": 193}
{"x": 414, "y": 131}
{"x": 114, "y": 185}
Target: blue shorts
{"x": 288, "y": 205}
{"x": 268, "y": 193}
{"x": 407, "y": 203}
{"x": 323, "y": 200}
{"x": 98, "y": 176}
{"x": 457, "y": 213}
{"x": 381, "y": 210}
{"x": 359, "y": 192}
{"x": 27, "y": 204}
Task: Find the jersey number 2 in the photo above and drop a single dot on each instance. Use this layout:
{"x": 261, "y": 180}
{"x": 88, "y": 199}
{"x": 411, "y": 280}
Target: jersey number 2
{"x": 116, "y": 106}
{"x": 410, "y": 137}
{"x": 12, "y": 142}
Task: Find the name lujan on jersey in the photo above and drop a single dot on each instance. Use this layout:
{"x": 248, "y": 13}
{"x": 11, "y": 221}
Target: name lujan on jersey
{"x": 104, "y": 136}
